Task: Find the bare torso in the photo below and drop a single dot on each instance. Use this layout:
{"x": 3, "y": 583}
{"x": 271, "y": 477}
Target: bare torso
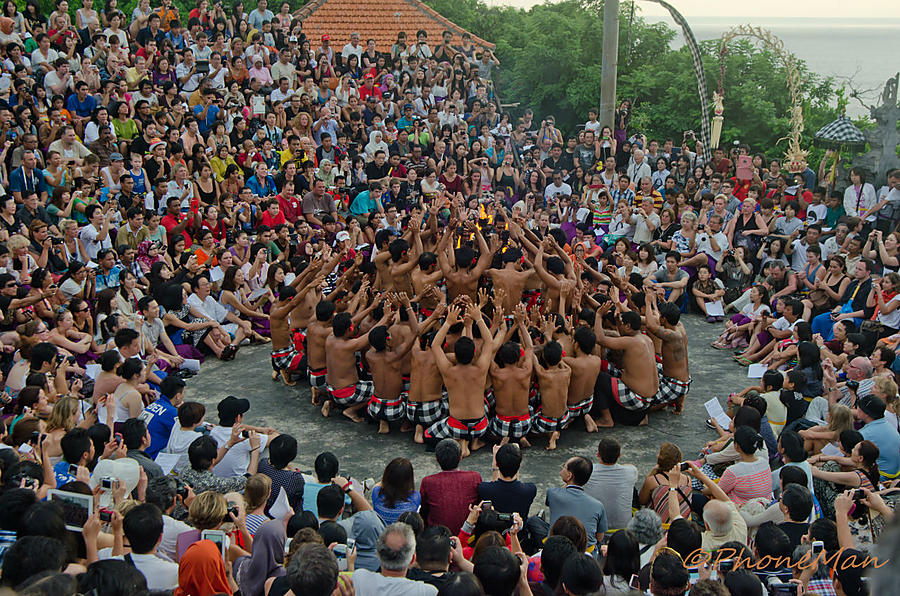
{"x": 511, "y": 386}
{"x": 385, "y": 374}
{"x": 554, "y": 386}
{"x": 425, "y": 382}
{"x": 316, "y": 334}
{"x": 585, "y": 368}
{"x": 674, "y": 355}
{"x": 465, "y": 389}
{"x": 639, "y": 366}
{"x": 340, "y": 358}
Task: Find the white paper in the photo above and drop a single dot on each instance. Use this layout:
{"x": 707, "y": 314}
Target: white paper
{"x": 92, "y": 370}
{"x": 715, "y": 411}
{"x": 257, "y": 293}
{"x": 167, "y": 461}
{"x": 149, "y": 202}
{"x": 830, "y": 449}
{"x": 191, "y": 364}
{"x": 216, "y": 274}
{"x": 280, "y": 508}
{"x": 756, "y": 371}
{"x": 715, "y": 309}
{"x": 289, "y": 278}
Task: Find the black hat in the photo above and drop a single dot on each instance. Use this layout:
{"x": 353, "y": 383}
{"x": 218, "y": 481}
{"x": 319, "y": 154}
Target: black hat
{"x": 871, "y": 405}
{"x": 230, "y": 408}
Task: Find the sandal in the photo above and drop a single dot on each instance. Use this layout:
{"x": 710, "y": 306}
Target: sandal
{"x": 229, "y": 352}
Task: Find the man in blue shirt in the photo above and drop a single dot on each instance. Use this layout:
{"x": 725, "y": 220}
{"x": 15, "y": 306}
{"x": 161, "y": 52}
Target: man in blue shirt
{"x": 81, "y": 104}
{"x": 77, "y": 449}
{"x": 367, "y": 202}
{"x": 870, "y": 410}
{"x": 27, "y": 177}
{"x": 408, "y": 119}
{"x": 206, "y": 112}
{"x": 160, "y": 416}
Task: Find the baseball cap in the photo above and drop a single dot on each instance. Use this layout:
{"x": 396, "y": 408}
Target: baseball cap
{"x": 230, "y": 408}
{"x": 871, "y": 405}
{"x": 343, "y": 235}
{"x": 408, "y": 106}
{"x": 116, "y": 157}
{"x": 326, "y": 37}
{"x": 292, "y": 39}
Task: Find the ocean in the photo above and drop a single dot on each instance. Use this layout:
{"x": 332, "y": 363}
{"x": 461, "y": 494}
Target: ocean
{"x": 857, "y": 52}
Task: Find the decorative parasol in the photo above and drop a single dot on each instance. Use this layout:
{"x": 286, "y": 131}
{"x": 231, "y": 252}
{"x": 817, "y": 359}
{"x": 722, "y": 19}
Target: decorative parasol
{"x": 840, "y": 134}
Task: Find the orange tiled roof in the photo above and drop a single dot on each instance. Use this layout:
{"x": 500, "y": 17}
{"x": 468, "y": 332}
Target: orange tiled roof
{"x": 380, "y": 20}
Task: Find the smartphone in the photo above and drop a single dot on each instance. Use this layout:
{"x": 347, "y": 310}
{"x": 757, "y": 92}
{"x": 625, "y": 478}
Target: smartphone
{"x": 817, "y": 547}
{"x": 485, "y": 505}
{"x": 726, "y": 565}
{"x": 73, "y": 470}
{"x": 685, "y": 466}
{"x": 351, "y": 544}
{"x": 105, "y": 515}
{"x": 119, "y": 438}
{"x": 635, "y": 582}
{"x": 217, "y": 537}
{"x": 787, "y": 589}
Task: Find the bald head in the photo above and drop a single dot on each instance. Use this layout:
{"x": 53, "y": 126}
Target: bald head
{"x": 717, "y": 516}
{"x": 860, "y": 368}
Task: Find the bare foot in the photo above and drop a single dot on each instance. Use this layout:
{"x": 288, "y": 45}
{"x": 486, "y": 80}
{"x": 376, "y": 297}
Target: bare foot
{"x": 315, "y": 396}
{"x": 326, "y": 408}
{"x": 604, "y": 421}
{"x": 465, "y": 448}
{"x": 644, "y": 422}
{"x": 678, "y": 406}
{"x": 419, "y": 436}
{"x": 383, "y": 427}
{"x": 274, "y": 375}
{"x": 523, "y": 443}
{"x": 590, "y": 425}
{"x": 286, "y": 378}
{"x": 477, "y": 444}
{"x": 353, "y": 412}
{"x": 553, "y": 437}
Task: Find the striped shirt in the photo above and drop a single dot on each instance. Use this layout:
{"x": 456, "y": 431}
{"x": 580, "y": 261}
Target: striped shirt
{"x": 744, "y": 481}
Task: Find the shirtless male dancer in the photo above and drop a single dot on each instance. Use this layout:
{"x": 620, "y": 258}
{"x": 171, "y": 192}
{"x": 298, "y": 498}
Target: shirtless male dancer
{"x": 385, "y": 360}
{"x": 463, "y": 275}
{"x": 427, "y": 400}
{"x": 553, "y": 382}
{"x": 344, "y": 385}
{"x": 585, "y": 367}
{"x": 628, "y": 396}
{"x": 286, "y": 358}
{"x": 465, "y": 381}
{"x": 511, "y": 278}
{"x": 511, "y": 381}
{"x": 674, "y": 372}
{"x": 558, "y": 274}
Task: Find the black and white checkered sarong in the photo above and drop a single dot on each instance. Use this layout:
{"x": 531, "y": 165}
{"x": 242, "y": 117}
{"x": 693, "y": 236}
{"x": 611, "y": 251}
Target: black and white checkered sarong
{"x": 385, "y": 409}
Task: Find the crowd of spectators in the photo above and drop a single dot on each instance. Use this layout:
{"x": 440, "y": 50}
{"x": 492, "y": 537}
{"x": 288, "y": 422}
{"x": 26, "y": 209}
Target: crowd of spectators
{"x": 177, "y": 186}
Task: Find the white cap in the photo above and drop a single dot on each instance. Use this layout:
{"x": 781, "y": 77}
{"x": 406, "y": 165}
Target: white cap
{"x": 343, "y": 235}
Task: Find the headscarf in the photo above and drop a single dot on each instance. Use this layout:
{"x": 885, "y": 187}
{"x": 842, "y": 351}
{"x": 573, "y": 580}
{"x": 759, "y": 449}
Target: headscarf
{"x": 143, "y": 257}
{"x": 201, "y": 571}
{"x": 366, "y": 529}
{"x": 266, "y": 560}
{"x": 374, "y": 145}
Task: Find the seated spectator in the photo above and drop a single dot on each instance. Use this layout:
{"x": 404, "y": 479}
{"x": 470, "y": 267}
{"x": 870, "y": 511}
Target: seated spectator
{"x": 613, "y": 484}
{"x": 190, "y": 418}
{"x": 505, "y": 491}
{"x": 137, "y": 439}
{"x": 396, "y": 550}
{"x": 396, "y": 492}
{"x": 166, "y": 494}
{"x": 203, "y": 455}
{"x": 282, "y": 451}
{"x": 256, "y": 494}
{"x": 446, "y": 496}
{"x": 143, "y": 527}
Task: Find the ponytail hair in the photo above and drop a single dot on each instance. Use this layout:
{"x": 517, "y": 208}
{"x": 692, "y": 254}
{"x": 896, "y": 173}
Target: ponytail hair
{"x": 748, "y": 440}
{"x": 869, "y": 453}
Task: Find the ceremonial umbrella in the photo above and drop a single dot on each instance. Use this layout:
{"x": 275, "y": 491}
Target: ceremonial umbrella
{"x": 840, "y": 134}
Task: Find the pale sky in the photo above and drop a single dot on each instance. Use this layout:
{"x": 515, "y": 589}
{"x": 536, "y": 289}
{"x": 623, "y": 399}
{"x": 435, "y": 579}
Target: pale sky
{"x": 866, "y": 9}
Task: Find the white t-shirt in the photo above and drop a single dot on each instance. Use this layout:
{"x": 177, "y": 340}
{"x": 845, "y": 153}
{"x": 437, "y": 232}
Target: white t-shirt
{"x": 161, "y": 574}
{"x": 235, "y": 461}
{"x": 751, "y": 311}
{"x": 179, "y": 441}
{"x": 816, "y": 214}
{"x": 92, "y": 246}
{"x": 705, "y": 246}
{"x": 891, "y": 319}
{"x": 369, "y": 583}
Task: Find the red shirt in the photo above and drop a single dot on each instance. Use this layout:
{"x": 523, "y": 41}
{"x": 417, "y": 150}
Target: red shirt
{"x": 169, "y": 223}
{"x": 365, "y": 92}
{"x": 289, "y": 207}
{"x": 446, "y": 497}
{"x": 218, "y": 231}
{"x": 268, "y": 220}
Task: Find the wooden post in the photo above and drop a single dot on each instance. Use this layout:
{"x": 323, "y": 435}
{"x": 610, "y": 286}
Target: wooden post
{"x": 609, "y": 66}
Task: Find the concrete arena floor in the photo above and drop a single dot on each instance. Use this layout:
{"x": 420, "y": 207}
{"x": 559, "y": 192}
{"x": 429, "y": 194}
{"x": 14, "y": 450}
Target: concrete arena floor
{"x": 363, "y": 453}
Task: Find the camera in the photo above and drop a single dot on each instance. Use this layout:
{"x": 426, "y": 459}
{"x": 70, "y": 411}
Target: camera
{"x": 859, "y": 494}
{"x": 71, "y": 359}
{"x": 105, "y": 515}
{"x": 701, "y": 227}
{"x": 35, "y": 437}
{"x": 726, "y": 565}
{"x": 505, "y": 517}
{"x": 54, "y": 241}
{"x": 685, "y": 466}
{"x": 853, "y": 385}
{"x": 232, "y": 510}
{"x": 245, "y": 434}
{"x": 107, "y": 482}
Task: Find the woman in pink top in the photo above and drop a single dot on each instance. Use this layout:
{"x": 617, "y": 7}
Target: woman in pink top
{"x": 749, "y": 478}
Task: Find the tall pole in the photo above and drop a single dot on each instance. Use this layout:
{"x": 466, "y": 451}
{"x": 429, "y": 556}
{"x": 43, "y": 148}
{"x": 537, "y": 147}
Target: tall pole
{"x": 610, "y": 62}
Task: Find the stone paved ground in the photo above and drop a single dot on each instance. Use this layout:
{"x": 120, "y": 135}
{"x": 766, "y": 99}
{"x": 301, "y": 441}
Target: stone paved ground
{"x": 363, "y": 453}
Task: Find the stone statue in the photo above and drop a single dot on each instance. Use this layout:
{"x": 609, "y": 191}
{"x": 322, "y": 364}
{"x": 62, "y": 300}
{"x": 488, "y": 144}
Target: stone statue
{"x": 884, "y": 138}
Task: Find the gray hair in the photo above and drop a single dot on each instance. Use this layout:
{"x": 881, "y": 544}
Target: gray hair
{"x": 399, "y": 559}
{"x": 717, "y": 516}
{"x": 646, "y": 526}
